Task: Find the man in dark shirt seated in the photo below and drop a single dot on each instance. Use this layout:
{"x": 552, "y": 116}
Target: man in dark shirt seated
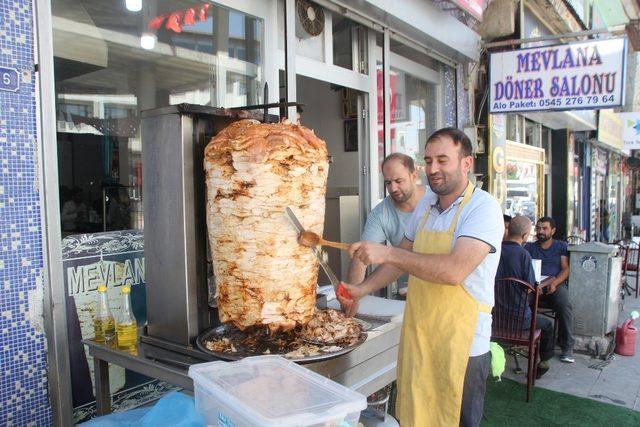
{"x": 516, "y": 262}
{"x": 555, "y": 262}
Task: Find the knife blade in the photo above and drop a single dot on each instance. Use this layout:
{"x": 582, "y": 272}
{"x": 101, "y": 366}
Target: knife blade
{"x": 317, "y": 252}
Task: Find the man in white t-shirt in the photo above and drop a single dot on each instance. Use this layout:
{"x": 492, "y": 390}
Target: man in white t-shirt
{"x": 451, "y": 250}
{"x": 388, "y": 220}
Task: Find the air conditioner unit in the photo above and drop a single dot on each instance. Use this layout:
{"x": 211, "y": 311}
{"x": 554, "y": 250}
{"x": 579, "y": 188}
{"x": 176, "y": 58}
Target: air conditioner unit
{"x": 310, "y": 22}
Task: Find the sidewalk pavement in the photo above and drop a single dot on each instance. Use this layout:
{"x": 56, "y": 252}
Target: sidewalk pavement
{"x": 617, "y": 383}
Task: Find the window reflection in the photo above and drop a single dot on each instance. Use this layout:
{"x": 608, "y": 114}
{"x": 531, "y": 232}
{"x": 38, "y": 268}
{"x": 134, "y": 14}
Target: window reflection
{"x": 413, "y": 105}
{"x": 203, "y": 54}
{"x": 413, "y": 116}
{"x": 522, "y": 190}
{"x": 381, "y": 143}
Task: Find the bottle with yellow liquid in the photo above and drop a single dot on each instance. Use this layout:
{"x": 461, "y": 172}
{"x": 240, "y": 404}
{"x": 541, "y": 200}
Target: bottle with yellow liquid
{"x": 126, "y": 325}
{"x": 104, "y": 325}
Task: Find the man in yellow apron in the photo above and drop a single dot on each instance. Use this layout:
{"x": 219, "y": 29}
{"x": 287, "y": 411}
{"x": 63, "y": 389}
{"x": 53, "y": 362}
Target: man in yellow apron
{"x": 451, "y": 250}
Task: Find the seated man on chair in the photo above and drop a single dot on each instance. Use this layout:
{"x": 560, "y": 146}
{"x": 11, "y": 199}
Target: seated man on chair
{"x": 555, "y": 262}
{"x": 515, "y": 261}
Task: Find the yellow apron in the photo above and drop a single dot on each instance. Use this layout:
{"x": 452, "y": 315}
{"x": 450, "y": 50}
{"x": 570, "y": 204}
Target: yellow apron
{"x": 439, "y": 323}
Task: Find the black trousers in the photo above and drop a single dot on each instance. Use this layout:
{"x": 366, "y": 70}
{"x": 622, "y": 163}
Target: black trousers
{"x": 546, "y": 337}
{"x": 475, "y": 385}
{"x": 559, "y": 302}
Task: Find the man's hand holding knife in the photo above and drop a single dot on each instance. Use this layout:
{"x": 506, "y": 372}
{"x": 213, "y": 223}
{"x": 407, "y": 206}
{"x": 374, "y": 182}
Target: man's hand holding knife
{"x": 368, "y": 253}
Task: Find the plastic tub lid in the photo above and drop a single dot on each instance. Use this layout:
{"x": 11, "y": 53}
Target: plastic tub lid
{"x": 271, "y": 390}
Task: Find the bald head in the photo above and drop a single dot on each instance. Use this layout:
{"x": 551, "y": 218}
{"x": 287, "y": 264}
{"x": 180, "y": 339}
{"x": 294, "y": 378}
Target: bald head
{"x": 519, "y": 228}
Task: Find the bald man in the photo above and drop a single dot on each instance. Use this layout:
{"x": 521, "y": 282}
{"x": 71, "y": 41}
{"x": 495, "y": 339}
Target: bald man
{"x": 515, "y": 261}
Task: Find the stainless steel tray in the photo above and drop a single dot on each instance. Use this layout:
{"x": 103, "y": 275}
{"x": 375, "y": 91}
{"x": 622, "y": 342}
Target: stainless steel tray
{"x": 236, "y": 336}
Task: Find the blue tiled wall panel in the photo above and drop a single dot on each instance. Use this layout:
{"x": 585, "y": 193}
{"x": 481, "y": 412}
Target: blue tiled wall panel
{"x": 23, "y": 375}
{"x": 449, "y": 96}
{"x": 456, "y": 98}
{"x": 464, "y": 115}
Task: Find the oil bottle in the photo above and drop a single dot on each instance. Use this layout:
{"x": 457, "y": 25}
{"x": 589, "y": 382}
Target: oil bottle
{"x": 104, "y": 325}
{"x": 126, "y": 325}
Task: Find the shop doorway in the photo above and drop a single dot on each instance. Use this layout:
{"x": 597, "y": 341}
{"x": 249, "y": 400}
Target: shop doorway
{"x": 331, "y": 111}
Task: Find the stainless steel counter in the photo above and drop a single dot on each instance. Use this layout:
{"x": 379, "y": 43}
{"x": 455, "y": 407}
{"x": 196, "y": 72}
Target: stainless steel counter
{"x": 366, "y": 369}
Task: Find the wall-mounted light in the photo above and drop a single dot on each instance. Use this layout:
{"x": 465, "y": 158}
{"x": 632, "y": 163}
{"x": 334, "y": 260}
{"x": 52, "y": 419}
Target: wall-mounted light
{"x": 148, "y": 41}
{"x": 133, "y": 5}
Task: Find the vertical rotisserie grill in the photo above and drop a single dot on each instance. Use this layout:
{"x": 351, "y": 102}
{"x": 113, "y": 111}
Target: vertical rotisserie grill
{"x": 253, "y": 172}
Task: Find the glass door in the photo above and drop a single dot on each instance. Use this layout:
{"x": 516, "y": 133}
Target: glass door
{"x": 415, "y": 104}
{"x": 525, "y": 181}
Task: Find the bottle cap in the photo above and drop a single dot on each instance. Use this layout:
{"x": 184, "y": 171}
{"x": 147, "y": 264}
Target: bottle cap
{"x": 102, "y": 288}
{"x": 125, "y": 290}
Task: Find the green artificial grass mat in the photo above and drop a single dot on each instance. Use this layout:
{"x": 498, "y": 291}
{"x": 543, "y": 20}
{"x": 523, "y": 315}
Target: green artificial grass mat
{"x": 505, "y": 405}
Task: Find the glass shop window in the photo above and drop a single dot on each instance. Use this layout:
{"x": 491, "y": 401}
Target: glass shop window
{"x": 515, "y": 126}
{"x": 522, "y": 189}
{"x": 533, "y": 133}
{"x": 111, "y": 63}
{"x": 414, "y": 102}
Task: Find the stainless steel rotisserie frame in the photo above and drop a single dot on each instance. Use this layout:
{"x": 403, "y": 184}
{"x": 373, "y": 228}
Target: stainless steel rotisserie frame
{"x": 175, "y": 235}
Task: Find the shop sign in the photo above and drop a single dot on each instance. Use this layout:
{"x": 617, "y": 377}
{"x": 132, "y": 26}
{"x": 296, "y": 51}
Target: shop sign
{"x": 474, "y": 7}
{"x": 630, "y": 130}
{"x": 610, "y": 129}
{"x": 498, "y": 160}
{"x": 584, "y": 75}
{"x": 9, "y": 81}
{"x": 114, "y": 259}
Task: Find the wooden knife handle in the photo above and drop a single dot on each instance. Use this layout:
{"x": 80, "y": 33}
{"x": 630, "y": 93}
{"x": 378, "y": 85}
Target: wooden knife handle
{"x": 337, "y": 245}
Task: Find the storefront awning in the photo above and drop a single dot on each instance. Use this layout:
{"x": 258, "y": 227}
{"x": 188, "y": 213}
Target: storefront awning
{"x": 422, "y": 22}
{"x": 607, "y": 147}
{"x": 579, "y": 120}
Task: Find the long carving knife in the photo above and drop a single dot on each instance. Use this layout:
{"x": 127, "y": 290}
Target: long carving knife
{"x": 317, "y": 252}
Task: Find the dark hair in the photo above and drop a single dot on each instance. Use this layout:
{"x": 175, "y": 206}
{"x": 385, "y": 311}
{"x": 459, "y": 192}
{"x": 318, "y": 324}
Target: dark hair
{"x": 457, "y": 136}
{"x": 506, "y": 218}
{"x": 551, "y": 221}
{"x": 406, "y": 161}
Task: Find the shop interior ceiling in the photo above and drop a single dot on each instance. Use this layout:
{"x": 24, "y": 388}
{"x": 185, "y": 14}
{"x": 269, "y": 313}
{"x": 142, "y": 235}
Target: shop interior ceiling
{"x": 84, "y": 29}
{"x": 71, "y": 57}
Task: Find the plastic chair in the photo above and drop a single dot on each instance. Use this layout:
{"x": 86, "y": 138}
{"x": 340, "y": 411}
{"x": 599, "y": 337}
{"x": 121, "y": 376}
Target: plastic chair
{"x": 630, "y": 254}
{"x": 510, "y": 326}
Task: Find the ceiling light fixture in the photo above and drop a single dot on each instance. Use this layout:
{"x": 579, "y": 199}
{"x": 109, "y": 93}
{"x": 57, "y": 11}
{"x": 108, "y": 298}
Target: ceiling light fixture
{"x": 133, "y": 5}
{"x": 148, "y": 41}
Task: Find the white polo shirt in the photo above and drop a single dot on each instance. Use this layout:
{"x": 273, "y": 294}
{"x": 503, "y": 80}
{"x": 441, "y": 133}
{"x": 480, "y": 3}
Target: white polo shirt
{"x": 481, "y": 219}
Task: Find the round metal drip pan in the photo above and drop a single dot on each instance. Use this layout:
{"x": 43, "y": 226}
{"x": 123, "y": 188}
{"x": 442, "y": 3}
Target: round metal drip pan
{"x": 246, "y": 345}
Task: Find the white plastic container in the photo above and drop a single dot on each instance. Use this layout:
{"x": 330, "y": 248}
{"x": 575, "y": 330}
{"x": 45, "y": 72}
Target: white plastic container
{"x": 267, "y": 391}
